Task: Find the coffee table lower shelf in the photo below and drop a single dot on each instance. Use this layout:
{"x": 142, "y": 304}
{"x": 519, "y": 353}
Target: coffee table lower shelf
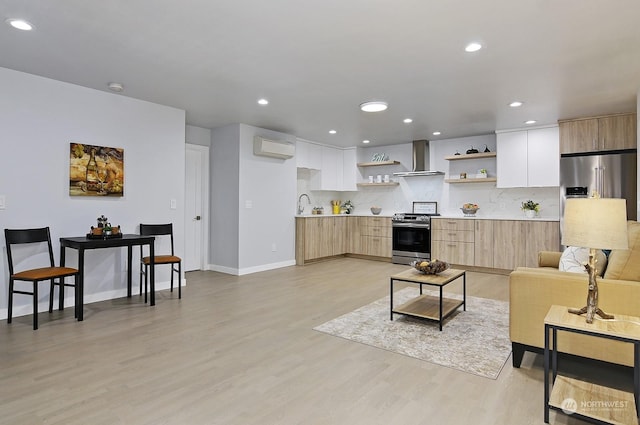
{"x": 428, "y": 307}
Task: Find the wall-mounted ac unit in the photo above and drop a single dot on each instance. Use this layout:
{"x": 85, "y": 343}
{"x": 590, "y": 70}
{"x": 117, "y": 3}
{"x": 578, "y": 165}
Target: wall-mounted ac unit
{"x": 272, "y": 148}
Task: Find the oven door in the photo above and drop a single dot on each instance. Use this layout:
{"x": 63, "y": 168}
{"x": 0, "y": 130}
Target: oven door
{"x": 409, "y": 242}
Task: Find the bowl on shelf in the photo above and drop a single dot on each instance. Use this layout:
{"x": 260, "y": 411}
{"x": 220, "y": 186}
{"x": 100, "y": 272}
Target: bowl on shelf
{"x": 376, "y": 210}
{"x": 430, "y": 267}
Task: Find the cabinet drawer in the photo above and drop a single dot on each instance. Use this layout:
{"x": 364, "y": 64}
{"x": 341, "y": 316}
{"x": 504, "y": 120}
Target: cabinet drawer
{"x": 376, "y": 231}
{"x": 451, "y": 224}
{"x": 452, "y": 235}
{"x": 376, "y": 246}
{"x": 374, "y": 221}
{"x": 453, "y": 252}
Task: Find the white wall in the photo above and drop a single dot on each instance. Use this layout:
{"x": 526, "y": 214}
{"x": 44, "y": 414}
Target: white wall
{"x": 224, "y": 172}
{"x": 252, "y": 210}
{"x": 198, "y": 136}
{"x": 38, "y": 119}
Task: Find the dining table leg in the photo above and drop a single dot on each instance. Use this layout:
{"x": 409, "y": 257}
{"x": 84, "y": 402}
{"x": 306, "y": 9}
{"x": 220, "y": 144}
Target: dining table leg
{"x": 152, "y": 274}
{"x": 129, "y": 258}
{"x": 80, "y": 286}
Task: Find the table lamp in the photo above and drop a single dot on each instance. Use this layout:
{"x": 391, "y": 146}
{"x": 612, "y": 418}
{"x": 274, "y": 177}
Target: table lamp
{"x": 595, "y": 223}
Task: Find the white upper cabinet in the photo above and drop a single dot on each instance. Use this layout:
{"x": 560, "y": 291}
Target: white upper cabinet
{"x": 528, "y": 158}
{"x": 330, "y": 176}
{"x": 349, "y": 169}
{"x": 511, "y": 162}
{"x": 308, "y": 155}
{"x": 543, "y": 152}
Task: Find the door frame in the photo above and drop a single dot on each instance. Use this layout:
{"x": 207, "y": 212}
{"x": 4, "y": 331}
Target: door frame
{"x": 203, "y": 151}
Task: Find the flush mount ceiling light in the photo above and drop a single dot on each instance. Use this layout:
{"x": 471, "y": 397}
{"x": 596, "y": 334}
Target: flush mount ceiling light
{"x": 116, "y": 87}
{"x": 332, "y": 132}
{"x": 436, "y": 133}
{"x": 530, "y": 122}
{"x": 365, "y": 141}
{"x": 407, "y": 120}
{"x": 515, "y": 104}
{"x": 263, "y": 102}
{"x": 20, "y": 24}
{"x": 375, "y": 106}
{"x": 473, "y": 47}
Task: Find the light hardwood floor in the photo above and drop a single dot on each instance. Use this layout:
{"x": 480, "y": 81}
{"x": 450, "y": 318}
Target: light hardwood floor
{"x": 241, "y": 350}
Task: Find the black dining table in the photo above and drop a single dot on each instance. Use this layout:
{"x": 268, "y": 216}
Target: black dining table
{"x": 82, "y": 243}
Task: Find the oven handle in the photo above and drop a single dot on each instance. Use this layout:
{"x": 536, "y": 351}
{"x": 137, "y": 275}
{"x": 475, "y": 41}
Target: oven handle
{"x": 414, "y": 225}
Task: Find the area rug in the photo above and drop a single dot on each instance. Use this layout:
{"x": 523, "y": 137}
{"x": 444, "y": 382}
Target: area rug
{"x": 475, "y": 341}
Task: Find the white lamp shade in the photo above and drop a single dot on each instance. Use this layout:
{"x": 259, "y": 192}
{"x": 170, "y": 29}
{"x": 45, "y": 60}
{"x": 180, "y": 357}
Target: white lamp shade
{"x": 599, "y": 223}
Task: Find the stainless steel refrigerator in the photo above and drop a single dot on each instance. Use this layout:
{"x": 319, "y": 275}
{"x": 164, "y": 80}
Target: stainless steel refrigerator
{"x": 611, "y": 175}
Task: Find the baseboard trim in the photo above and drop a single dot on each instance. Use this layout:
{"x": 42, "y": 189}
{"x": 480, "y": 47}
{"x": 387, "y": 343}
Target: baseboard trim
{"x": 249, "y": 270}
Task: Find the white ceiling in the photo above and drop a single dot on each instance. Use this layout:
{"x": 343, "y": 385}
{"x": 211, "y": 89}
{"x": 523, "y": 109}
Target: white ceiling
{"x": 317, "y": 60}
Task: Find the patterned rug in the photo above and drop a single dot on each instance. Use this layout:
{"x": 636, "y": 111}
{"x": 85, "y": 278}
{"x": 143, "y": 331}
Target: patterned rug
{"x": 474, "y": 341}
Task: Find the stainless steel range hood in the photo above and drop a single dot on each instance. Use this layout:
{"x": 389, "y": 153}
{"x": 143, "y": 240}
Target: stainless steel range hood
{"x": 420, "y": 161}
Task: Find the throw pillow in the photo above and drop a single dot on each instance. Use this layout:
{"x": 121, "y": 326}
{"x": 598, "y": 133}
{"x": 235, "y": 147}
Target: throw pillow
{"x": 624, "y": 264}
{"x": 574, "y": 258}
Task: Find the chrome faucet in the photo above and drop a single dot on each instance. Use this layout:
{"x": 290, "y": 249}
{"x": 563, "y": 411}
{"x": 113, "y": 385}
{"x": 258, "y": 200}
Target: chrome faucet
{"x": 300, "y": 206}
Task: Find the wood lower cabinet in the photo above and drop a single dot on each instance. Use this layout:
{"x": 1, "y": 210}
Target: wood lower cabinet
{"x": 509, "y": 243}
{"x": 606, "y": 133}
{"x": 483, "y": 244}
{"x": 497, "y": 244}
{"x": 321, "y": 237}
{"x": 372, "y": 236}
{"x": 540, "y": 236}
{"x": 452, "y": 240}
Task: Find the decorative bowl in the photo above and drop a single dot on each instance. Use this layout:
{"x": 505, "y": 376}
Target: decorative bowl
{"x": 469, "y": 211}
{"x": 376, "y": 210}
{"x": 430, "y": 267}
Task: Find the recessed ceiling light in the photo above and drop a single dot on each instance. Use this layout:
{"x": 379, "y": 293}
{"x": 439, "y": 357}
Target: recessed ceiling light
{"x": 263, "y": 102}
{"x": 530, "y": 122}
{"x": 436, "y": 133}
{"x": 365, "y": 141}
{"x": 515, "y": 104}
{"x": 332, "y": 132}
{"x": 20, "y": 24}
{"x": 473, "y": 47}
{"x": 375, "y": 106}
{"x": 407, "y": 120}
{"x": 116, "y": 87}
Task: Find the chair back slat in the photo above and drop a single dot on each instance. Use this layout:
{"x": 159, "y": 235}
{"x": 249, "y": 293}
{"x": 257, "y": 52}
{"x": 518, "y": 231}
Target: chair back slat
{"x": 157, "y": 230}
{"x": 27, "y": 236}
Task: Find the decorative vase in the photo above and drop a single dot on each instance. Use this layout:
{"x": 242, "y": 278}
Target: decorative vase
{"x": 530, "y": 213}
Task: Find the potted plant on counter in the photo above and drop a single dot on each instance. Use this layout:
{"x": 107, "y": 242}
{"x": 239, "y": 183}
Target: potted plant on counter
{"x": 348, "y": 207}
{"x": 530, "y": 208}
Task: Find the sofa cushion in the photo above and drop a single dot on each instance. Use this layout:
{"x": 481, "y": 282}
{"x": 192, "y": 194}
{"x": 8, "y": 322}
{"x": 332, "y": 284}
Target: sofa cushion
{"x": 625, "y": 263}
{"x": 574, "y": 258}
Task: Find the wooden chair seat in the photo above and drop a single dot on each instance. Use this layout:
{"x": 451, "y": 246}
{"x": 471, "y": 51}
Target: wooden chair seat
{"x": 44, "y": 273}
{"x": 162, "y": 259}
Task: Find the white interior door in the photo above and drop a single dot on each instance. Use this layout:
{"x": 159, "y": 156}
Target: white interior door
{"x": 196, "y": 201}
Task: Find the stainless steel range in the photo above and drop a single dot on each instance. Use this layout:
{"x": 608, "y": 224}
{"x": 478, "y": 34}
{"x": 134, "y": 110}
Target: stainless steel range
{"x": 411, "y": 233}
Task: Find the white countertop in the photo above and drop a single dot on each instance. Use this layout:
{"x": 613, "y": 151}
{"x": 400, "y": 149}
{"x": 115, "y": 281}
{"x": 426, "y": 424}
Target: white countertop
{"x": 500, "y": 217}
{"x": 344, "y": 215}
{"x": 445, "y": 216}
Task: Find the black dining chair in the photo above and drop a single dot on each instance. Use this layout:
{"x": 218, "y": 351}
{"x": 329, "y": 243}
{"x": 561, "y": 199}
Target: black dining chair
{"x": 172, "y": 260}
{"x": 55, "y": 275}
